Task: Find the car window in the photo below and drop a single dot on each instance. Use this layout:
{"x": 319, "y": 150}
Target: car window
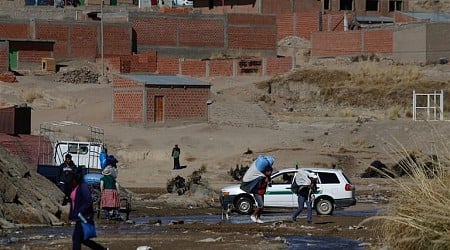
{"x": 329, "y": 178}
{"x": 285, "y": 178}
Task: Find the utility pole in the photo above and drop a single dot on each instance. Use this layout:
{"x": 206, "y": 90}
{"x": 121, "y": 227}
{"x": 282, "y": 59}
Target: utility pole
{"x": 101, "y": 39}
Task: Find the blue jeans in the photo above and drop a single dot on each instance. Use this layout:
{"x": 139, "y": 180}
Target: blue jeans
{"x": 301, "y": 200}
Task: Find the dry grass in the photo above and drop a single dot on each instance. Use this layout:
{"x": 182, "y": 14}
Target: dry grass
{"x": 31, "y": 94}
{"x": 419, "y": 212}
{"x": 367, "y": 85}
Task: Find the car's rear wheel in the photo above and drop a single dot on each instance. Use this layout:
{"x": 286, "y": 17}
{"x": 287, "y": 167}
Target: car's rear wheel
{"x": 244, "y": 205}
{"x": 324, "y": 206}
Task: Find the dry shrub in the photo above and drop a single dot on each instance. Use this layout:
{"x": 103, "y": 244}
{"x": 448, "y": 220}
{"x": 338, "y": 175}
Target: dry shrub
{"x": 418, "y": 214}
{"x": 358, "y": 141}
{"x": 393, "y": 113}
{"x": 31, "y": 94}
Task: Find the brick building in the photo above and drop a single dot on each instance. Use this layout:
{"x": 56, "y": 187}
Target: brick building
{"x": 158, "y": 99}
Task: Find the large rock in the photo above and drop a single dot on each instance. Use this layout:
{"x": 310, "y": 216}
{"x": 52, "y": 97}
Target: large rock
{"x": 26, "y": 197}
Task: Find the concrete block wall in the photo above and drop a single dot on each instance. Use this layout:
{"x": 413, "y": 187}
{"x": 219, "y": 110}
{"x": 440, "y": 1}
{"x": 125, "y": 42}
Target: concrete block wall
{"x": 4, "y": 55}
{"x": 352, "y": 43}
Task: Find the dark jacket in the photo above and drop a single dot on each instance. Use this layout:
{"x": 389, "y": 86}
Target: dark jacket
{"x": 67, "y": 167}
{"x": 83, "y": 203}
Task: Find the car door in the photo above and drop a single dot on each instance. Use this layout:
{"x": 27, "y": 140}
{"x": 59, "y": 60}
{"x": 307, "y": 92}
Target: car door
{"x": 278, "y": 193}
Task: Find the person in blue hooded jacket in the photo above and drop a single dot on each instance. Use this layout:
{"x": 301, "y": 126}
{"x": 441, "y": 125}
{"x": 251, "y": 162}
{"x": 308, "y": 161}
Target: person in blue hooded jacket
{"x": 255, "y": 181}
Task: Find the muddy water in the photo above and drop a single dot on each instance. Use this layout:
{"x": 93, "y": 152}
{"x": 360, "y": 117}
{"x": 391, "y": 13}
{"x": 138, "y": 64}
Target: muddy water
{"x": 14, "y": 239}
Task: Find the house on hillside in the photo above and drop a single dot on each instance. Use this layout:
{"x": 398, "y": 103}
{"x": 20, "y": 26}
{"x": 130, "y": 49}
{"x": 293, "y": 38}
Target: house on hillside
{"x": 159, "y": 100}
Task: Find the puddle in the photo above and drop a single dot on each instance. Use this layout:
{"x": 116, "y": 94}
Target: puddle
{"x": 142, "y": 225}
{"x": 317, "y": 243}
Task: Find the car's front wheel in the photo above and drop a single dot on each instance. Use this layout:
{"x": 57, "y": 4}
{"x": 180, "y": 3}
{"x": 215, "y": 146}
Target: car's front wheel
{"x": 324, "y": 206}
{"x": 244, "y": 205}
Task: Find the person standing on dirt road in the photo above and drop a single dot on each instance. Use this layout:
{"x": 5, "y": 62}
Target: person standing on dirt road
{"x": 256, "y": 180}
{"x": 176, "y": 151}
{"x": 81, "y": 203}
{"x": 306, "y": 182}
{"x": 110, "y": 201}
{"x": 64, "y": 177}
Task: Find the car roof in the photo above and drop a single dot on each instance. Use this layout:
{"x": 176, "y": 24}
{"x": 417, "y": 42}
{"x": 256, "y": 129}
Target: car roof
{"x": 313, "y": 169}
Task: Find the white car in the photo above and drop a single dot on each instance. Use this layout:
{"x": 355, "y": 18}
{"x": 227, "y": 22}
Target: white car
{"x": 183, "y": 2}
{"x": 334, "y": 190}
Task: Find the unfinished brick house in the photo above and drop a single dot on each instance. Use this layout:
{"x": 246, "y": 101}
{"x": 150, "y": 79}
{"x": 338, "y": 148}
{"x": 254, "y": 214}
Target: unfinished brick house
{"x": 158, "y": 99}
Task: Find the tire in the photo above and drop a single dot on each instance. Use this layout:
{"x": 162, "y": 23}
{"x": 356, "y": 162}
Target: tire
{"x": 244, "y": 205}
{"x": 96, "y": 195}
{"x": 324, "y": 206}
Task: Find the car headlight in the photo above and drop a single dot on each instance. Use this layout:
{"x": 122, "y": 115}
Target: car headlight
{"x": 224, "y": 193}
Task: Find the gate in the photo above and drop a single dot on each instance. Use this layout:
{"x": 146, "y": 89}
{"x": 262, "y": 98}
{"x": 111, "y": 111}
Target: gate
{"x": 428, "y": 107}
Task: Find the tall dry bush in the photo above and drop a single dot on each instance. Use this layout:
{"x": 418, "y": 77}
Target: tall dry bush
{"x": 418, "y": 215}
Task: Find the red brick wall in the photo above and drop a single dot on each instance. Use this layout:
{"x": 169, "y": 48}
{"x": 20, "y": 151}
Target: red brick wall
{"x": 127, "y": 100}
{"x": 180, "y": 103}
{"x": 14, "y": 30}
{"x": 278, "y": 65}
{"x": 336, "y": 43}
{"x": 285, "y": 25}
{"x": 378, "y": 41}
{"x": 4, "y": 55}
{"x": 227, "y": 6}
{"x": 211, "y": 34}
{"x": 117, "y": 39}
{"x": 168, "y": 66}
{"x": 156, "y": 30}
{"x": 306, "y": 23}
{"x": 262, "y": 29}
{"x": 82, "y": 41}
{"x": 352, "y": 43}
{"x": 55, "y": 31}
{"x": 221, "y": 67}
{"x": 199, "y": 32}
{"x": 128, "y": 106}
{"x": 193, "y": 68}
{"x": 33, "y": 55}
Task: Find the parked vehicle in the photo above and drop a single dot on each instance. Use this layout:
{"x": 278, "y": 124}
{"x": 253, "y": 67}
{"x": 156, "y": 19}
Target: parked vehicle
{"x": 183, "y": 2}
{"x": 335, "y": 190}
{"x": 53, "y": 146}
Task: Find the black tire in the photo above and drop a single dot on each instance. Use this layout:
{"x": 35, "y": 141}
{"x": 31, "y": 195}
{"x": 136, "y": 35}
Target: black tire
{"x": 96, "y": 195}
{"x": 324, "y": 206}
{"x": 244, "y": 205}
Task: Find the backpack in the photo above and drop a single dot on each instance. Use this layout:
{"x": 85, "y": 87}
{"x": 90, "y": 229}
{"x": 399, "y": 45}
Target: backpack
{"x": 294, "y": 187}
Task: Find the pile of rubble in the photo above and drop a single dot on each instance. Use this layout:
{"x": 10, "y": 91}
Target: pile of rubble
{"x": 8, "y": 77}
{"x": 79, "y": 76}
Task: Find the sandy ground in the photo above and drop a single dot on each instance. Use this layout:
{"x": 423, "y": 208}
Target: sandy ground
{"x": 236, "y": 124}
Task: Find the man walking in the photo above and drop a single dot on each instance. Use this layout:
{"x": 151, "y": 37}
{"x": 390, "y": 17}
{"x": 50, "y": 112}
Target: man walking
{"x": 176, "y": 157}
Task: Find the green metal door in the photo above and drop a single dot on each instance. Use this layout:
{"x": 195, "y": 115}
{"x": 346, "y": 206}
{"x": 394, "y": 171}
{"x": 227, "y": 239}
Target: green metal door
{"x": 113, "y": 2}
{"x": 13, "y": 59}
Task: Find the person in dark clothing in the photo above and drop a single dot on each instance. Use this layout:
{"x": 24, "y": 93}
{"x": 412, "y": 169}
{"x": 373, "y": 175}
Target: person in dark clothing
{"x": 176, "y": 157}
{"x": 64, "y": 178}
{"x": 81, "y": 203}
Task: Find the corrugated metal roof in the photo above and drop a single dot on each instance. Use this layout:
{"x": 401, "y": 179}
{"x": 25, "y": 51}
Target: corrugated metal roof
{"x": 435, "y": 17}
{"x": 374, "y": 19}
{"x": 165, "y": 80}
